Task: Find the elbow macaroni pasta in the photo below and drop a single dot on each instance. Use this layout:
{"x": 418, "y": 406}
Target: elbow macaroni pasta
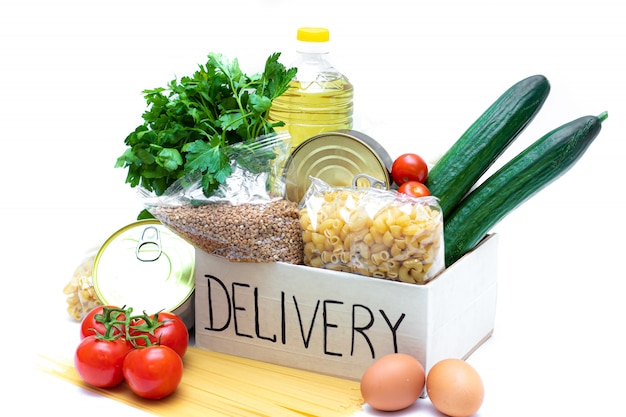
{"x": 372, "y": 232}
{"x": 81, "y": 296}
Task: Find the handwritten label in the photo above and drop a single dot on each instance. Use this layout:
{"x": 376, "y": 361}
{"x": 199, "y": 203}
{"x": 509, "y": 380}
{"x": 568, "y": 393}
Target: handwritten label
{"x": 333, "y": 325}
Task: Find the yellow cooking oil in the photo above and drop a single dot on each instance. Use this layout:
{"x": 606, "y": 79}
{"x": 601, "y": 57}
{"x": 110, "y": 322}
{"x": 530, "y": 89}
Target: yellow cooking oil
{"x": 319, "y": 98}
{"x": 313, "y": 109}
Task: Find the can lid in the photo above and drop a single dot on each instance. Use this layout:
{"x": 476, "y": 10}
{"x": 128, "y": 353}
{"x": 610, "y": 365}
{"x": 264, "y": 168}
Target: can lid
{"x": 144, "y": 266}
{"x": 340, "y": 159}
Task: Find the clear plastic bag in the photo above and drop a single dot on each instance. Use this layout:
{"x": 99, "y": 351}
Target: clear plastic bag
{"x": 373, "y": 232}
{"x": 81, "y": 296}
{"x": 246, "y": 219}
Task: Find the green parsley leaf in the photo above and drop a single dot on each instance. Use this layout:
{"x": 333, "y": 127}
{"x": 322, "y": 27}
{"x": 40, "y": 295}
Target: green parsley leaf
{"x": 190, "y": 125}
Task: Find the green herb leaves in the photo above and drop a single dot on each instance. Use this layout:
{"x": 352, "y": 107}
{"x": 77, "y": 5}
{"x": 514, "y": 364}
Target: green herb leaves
{"x": 191, "y": 125}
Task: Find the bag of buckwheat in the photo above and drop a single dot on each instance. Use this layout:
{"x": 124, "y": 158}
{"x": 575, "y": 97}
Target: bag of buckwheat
{"x": 247, "y": 219}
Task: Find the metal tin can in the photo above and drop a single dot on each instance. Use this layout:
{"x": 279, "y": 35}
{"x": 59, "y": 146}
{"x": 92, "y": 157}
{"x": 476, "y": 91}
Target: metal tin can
{"x": 342, "y": 158}
{"x": 149, "y": 268}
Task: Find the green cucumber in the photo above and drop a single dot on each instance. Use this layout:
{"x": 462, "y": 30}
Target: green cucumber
{"x": 452, "y": 177}
{"x": 524, "y": 176}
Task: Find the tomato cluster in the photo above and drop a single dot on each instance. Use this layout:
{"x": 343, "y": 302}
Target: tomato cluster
{"x": 409, "y": 171}
{"x": 145, "y": 350}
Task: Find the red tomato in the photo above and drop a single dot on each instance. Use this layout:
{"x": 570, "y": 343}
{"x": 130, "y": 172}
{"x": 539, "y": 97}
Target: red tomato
{"x": 93, "y": 322}
{"x": 409, "y": 167}
{"x": 153, "y": 372}
{"x": 414, "y": 189}
{"x": 163, "y": 328}
{"x": 100, "y": 362}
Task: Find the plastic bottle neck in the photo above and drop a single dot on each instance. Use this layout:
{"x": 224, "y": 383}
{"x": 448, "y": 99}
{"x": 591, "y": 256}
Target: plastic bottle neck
{"x": 322, "y": 48}
{"x": 319, "y": 59}
{"x": 311, "y": 59}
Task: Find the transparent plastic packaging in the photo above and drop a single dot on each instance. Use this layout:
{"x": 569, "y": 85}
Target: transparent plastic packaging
{"x": 81, "y": 296}
{"x": 373, "y": 232}
{"x": 246, "y": 219}
{"x": 320, "y": 97}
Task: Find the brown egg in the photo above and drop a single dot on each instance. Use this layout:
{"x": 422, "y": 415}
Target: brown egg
{"x": 455, "y": 388}
{"x": 393, "y": 382}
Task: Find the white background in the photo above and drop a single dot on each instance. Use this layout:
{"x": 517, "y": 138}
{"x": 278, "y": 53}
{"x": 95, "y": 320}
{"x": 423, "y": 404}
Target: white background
{"x": 72, "y": 73}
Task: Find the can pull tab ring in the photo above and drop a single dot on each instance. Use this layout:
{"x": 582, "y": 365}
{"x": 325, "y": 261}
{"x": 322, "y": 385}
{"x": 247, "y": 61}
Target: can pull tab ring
{"x": 149, "y": 246}
{"x": 364, "y": 180}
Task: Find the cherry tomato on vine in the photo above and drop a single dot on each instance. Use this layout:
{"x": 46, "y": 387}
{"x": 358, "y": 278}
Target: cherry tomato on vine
{"x": 414, "y": 189}
{"x": 409, "y": 167}
{"x": 153, "y": 372}
{"x": 163, "y": 328}
{"x": 99, "y": 362}
{"x": 93, "y": 323}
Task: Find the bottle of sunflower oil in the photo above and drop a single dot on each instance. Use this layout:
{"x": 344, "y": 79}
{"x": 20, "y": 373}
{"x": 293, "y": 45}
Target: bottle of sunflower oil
{"x": 319, "y": 98}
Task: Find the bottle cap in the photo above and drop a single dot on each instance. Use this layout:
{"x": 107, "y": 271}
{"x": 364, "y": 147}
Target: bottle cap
{"x": 313, "y": 40}
{"x": 312, "y": 34}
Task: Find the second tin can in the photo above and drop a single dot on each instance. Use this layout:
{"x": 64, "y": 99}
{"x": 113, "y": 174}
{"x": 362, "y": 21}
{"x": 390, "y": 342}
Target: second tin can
{"x": 149, "y": 268}
{"x": 340, "y": 159}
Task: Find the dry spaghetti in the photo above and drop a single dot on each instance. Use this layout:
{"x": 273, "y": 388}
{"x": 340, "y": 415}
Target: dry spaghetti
{"x": 221, "y": 384}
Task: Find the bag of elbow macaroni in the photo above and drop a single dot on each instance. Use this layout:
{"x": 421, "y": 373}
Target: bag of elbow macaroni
{"x": 81, "y": 295}
{"x": 372, "y": 232}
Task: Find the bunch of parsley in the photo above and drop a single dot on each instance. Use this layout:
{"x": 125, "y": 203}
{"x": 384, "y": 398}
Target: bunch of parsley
{"x": 193, "y": 125}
